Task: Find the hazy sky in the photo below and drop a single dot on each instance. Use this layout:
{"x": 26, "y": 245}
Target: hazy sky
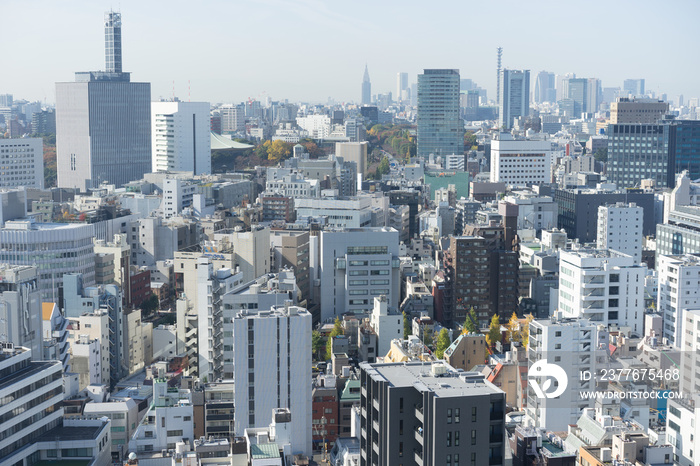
{"x": 310, "y": 50}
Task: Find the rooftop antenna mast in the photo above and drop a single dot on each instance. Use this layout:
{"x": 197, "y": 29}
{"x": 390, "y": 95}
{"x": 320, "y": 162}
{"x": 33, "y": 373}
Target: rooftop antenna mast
{"x": 499, "y": 51}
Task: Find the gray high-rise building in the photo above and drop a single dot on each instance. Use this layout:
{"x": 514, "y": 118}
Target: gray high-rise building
{"x": 401, "y": 86}
{"x": 545, "y": 87}
{"x": 440, "y": 128}
{"x": 578, "y": 93}
{"x": 366, "y": 88}
{"x": 515, "y": 96}
{"x": 634, "y": 87}
{"x": 103, "y": 122}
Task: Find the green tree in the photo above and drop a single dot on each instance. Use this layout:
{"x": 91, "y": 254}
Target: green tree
{"x": 383, "y": 167}
{"x": 494, "y": 334}
{"x": 469, "y": 140}
{"x": 443, "y": 342}
{"x": 337, "y": 330}
{"x": 150, "y": 304}
{"x": 261, "y": 151}
{"x": 428, "y": 337}
{"x": 316, "y": 344}
{"x": 601, "y": 155}
{"x": 407, "y": 327}
{"x": 471, "y": 322}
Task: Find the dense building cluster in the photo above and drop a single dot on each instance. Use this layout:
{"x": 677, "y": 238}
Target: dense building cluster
{"x": 428, "y": 277}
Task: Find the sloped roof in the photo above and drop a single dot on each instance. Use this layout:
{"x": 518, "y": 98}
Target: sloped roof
{"x": 219, "y": 142}
{"x": 46, "y": 310}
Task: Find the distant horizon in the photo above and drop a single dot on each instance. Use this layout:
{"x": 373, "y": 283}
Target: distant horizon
{"x": 310, "y": 51}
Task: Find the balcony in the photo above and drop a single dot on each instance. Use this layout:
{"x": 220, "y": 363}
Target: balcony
{"x": 418, "y": 434}
{"x": 419, "y": 413}
{"x": 497, "y": 415}
{"x": 418, "y": 456}
{"x": 593, "y": 280}
{"x": 495, "y": 460}
{"x": 496, "y": 437}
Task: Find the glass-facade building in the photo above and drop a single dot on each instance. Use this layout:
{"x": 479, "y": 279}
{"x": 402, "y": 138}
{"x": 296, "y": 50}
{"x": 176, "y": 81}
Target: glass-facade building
{"x": 657, "y": 151}
{"x": 515, "y": 101}
{"x": 440, "y": 127}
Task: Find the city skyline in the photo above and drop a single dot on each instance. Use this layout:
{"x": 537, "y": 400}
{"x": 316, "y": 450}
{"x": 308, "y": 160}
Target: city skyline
{"x": 175, "y": 48}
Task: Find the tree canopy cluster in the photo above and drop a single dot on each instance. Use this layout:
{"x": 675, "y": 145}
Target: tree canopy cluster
{"x": 395, "y": 139}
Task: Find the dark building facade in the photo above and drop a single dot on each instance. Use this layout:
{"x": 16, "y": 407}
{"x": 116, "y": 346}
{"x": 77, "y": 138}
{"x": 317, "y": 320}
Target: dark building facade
{"x": 657, "y": 151}
{"x": 578, "y": 210}
{"x": 412, "y": 199}
{"x": 421, "y": 414}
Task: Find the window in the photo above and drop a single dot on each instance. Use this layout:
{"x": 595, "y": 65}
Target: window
{"x": 175, "y": 433}
{"x": 474, "y": 414}
{"x": 449, "y": 416}
{"x": 448, "y": 439}
{"x": 456, "y": 415}
{"x": 456, "y": 438}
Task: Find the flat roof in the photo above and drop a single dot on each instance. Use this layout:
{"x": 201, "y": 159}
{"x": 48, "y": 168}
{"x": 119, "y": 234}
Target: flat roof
{"x": 419, "y": 374}
{"x": 63, "y": 433}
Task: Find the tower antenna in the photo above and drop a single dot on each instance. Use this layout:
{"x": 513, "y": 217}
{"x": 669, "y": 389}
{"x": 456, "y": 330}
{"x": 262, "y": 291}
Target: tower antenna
{"x": 499, "y": 51}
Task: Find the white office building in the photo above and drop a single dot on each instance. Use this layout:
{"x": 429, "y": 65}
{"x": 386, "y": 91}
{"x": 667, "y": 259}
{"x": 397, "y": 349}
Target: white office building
{"x": 232, "y": 118}
{"x": 354, "y": 212}
{"x": 317, "y": 126}
{"x": 184, "y": 197}
{"x": 690, "y": 352}
{"x": 294, "y": 186}
{"x": 124, "y": 415}
{"x": 683, "y": 429}
{"x": 357, "y": 265}
{"x": 387, "y": 324}
{"x": 535, "y": 212}
{"x": 573, "y": 346}
{"x": 454, "y": 162}
{"x": 272, "y": 361}
{"x": 679, "y": 289}
{"x": 54, "y": 248}
{"x": 520, "y": 162}
{"x": 603, "y": 286}
{"x": 211, "y": 286}
{"x": 31, "y": 394}
{"x": 22, "y": 163}
{"x": 620, "y": 229}
{"x": 21, "y": 312}
{"x": 180, "y": 137}
{"x": 168, "y": 421}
